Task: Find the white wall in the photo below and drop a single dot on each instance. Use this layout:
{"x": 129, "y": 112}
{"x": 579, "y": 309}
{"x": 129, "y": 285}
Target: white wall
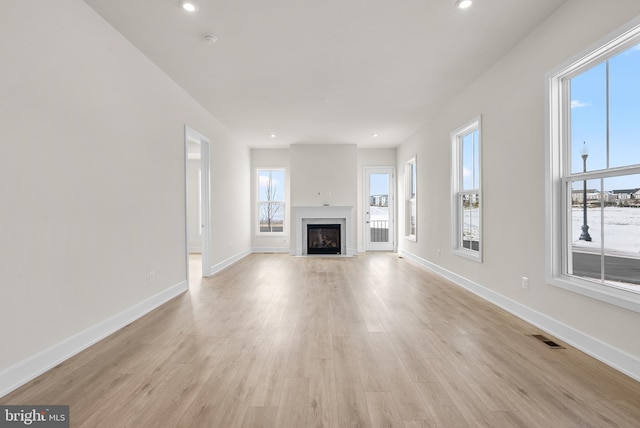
{"x": 230, "y": 196}
{"x": 511, "y": 99}
{"x": 92, "y": 183}
{"x": 323, "y": 174}
{"x": 317, "y": 170}
{"x": 270, "y": 158}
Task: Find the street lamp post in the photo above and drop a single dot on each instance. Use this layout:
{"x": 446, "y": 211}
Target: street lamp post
{"x": 585, "y": 228}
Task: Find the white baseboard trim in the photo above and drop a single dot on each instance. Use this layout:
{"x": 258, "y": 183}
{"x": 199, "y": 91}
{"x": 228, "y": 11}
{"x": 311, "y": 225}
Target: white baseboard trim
{"x": 17, "y": 375}
{"x": 258, "y": 250}
{"x": 228, "y": 262}
{"x": 602, "y": 351}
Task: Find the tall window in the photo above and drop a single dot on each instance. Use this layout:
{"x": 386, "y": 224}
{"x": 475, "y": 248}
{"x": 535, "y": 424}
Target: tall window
{"x": 411, "y": 200}
{"x": 466, "y": 190}
{"x": 594, "y": 180}
{"x": 271, "y": 200}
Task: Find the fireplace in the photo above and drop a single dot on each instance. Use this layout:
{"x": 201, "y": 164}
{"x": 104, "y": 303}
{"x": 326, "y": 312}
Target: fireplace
{"x": 323, "y": 239}
{"x": 322, "y": 215}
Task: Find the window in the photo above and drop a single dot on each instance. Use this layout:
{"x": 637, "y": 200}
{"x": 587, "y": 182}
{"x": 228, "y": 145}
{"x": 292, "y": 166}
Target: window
{"x": 466, "y": 190}
{"x": 593, "y": 224}
{"x": 411, "y": 200}
{"x": 271, "y": 200}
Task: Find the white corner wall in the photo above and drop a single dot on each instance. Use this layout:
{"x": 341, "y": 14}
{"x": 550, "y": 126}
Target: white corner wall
{"x": 511, "y": 99}
{"x": 92, "y": 184}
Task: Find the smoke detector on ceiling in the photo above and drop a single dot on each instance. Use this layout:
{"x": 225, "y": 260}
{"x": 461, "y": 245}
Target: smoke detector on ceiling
{"x": 210, "y": 39}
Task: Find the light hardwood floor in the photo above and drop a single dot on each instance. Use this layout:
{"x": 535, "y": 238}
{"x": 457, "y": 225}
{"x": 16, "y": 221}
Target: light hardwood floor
{"x": 369, "y": 341}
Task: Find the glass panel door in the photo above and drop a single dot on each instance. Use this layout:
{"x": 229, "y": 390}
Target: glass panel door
{"x": 379, "y": 209}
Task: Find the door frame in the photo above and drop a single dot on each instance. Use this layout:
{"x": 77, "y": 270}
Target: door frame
{"x": 367, "y": 171}
{"x": 205, "y": 197}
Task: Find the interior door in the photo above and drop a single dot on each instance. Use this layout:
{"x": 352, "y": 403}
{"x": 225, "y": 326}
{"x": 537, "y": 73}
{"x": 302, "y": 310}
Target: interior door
{"x": 379, "y": 208}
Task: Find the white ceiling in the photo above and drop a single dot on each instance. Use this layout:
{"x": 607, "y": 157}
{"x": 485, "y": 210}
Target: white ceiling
{"x": 329, "y": 71}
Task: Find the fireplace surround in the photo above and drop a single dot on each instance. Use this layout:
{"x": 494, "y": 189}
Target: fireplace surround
{"x": 322, "y": 215}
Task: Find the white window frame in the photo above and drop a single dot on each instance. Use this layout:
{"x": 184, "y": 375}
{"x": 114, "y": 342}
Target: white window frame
{"x": 411, "y": 198}
{"x": 457, "y": 189}
{"x": 258, "y": 201}
{"x": 558, "y": 169}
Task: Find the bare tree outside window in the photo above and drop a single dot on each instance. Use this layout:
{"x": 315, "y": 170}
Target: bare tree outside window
{"x": 270, "y": 209}
{"x": 271, "y": 200}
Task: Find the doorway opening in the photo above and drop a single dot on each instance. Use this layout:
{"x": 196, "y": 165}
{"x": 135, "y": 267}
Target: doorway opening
{"x": 197, "y": 206}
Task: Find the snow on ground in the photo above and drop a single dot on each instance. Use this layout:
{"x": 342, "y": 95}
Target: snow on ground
{"x": 621, "y": 230}
{"x": 621, "y": 226}
{"x": 378, "y": 213}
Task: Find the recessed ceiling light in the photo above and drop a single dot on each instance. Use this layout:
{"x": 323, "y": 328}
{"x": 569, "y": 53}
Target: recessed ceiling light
{"x": 374, "y": 135}
{"x": 189, "y": 5}
{"x": 273, "y": 135}
{"x": 463, "y": 4}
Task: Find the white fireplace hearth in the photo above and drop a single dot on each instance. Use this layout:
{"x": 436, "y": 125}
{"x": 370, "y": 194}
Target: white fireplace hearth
{"x": 342, "y": 215}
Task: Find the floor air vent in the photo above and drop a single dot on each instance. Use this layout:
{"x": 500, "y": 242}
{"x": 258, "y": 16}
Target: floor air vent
{"x": 550, "y": 343}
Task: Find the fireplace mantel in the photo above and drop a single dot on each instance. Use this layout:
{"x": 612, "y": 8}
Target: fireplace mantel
{"x": 323, "y": 213}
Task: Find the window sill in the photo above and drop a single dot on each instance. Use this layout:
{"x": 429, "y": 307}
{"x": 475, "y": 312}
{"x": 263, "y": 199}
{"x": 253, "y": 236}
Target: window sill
{"x": 605, "y": 293}
{"x": 468, "y": 254}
